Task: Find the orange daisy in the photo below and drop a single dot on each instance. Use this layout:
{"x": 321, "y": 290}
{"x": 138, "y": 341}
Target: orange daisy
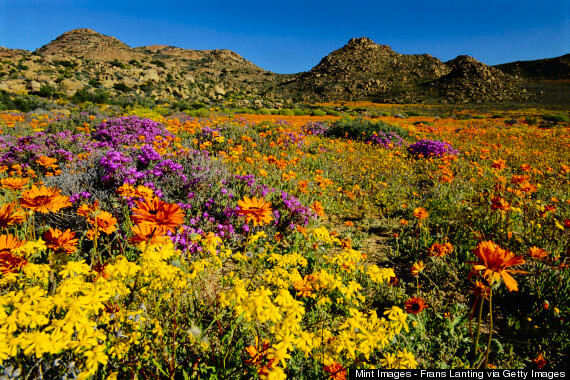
{"x": 440, "y": 249}
{"x": 499, "y": 203}
{"x": 336, "y": 370}
{"x": 417, "y": 268}
{"x": 255, "y": 210}
{"x": 494, "y": 261}
{"x": 420, "y": 213}
{"x": 415, "y": 305}
{"x": 146, "y": 232}
{"x": 10, "y": 215}
{"x": 126, "y": 190}
{"x": 537, "y": 253}
{"x": 317, "y": 207}
{"x": 9, "y": 262}
{"x": 14, "y": 183}
{"x": 62, "y": 241}
{"x": 48, "y": 163}
{"x": 104, "y": 222}
{"x": 44, "y": 199}
{"x": 158, "y": 214}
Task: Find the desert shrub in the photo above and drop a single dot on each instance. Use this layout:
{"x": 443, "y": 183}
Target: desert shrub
{"x": 556, "y": 118}
{"x": 318, "y": 113}
{"x": 361, "y": 129}
{"x": 286, "y": 112}
{"x": 121, "y": 87}
{"x": 84, "y": 95}
{"x": 117, "y": 63}
{"x": 298, "y": 112}
{"x": 67, "y": 64}
{"x": 200, "y": 112}
{"x": 46, "y": 91}
{"x": 158, "y": 63}
{"x": 264, "y": 111}
{"x": 531, "y": 120}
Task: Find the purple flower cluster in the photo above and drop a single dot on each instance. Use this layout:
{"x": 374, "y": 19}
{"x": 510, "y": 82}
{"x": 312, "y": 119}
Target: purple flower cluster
{"x": 129, "y": 130}
{"x": 315, "y": 128}
{"x": 387, "y": 140}
{"x": 292, "y": 212}
{"x": 431, "y": 148}
{"x": 64, "y": 146}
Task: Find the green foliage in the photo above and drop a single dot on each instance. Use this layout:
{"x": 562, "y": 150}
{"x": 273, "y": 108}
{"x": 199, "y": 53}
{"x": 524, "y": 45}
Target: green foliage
{"x": 66, "y": 64}
{"x": 47, "y": 91}
{"x": 85, "y": 95}
{"x": 318, "y": 113}
{"x": 358, "y": 129}
{"x": 158, "y": 63}
{"x": 121, "y": 87}
{"x": 556, "y": 118}
{"x": 116, "y": 63}
{"x": 94, "y": 83}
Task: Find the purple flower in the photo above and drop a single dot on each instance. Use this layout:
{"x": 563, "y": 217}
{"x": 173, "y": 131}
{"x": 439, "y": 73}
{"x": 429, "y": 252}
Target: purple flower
{"x": 431, "y": 148}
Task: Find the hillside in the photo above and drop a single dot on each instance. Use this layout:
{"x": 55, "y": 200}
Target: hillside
{"x": 88, "y": 62}
{"x": 363, "y": 70}
{"x": 540, "y": 69}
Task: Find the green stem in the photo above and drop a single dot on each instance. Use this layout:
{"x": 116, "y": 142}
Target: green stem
{"x": 478, "y": 333}
{"x": 490, "y": 327}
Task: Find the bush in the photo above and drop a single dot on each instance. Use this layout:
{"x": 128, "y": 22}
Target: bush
{"x": 264, "y": 111}
{"x": 286, "y": 112}
{"x": 84, "y": 95}
{"x": 158, "y": 63}
{"x": 318, "y": 113}
{"x": 121, "y": 87}
{"x": 117, "y": 63}
{"x": 360, "y": 129}
{"x": 201, "y": 112}
{"x": 298, "y": 112}
{"x": 556, "y": 118}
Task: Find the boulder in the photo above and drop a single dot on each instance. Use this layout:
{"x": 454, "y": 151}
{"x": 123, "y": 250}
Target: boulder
{"x": 70, "y": 86}
{"x": 35, "y": 86}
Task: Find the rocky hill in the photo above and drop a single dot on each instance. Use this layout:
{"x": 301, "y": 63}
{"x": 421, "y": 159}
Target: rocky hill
{"x": 470, "y": 80}
{"x": 88, "y": 62}
{"x": 540, "y": 69}
{"x": 83, "y": 59}
{"x": 363, "y": 70}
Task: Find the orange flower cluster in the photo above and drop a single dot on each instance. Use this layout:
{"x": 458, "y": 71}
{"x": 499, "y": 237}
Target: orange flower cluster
{"x": 336, "y": 370}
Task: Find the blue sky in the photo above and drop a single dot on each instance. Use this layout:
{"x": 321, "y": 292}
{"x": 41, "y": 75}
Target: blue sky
{"x": 292, "y": 36}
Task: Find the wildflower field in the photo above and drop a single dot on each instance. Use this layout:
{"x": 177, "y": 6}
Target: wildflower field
{"x": 272, "y": 247}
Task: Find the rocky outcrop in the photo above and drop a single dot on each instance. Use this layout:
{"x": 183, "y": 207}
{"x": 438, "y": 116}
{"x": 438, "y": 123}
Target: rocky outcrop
{"x": 472, "y": 81}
